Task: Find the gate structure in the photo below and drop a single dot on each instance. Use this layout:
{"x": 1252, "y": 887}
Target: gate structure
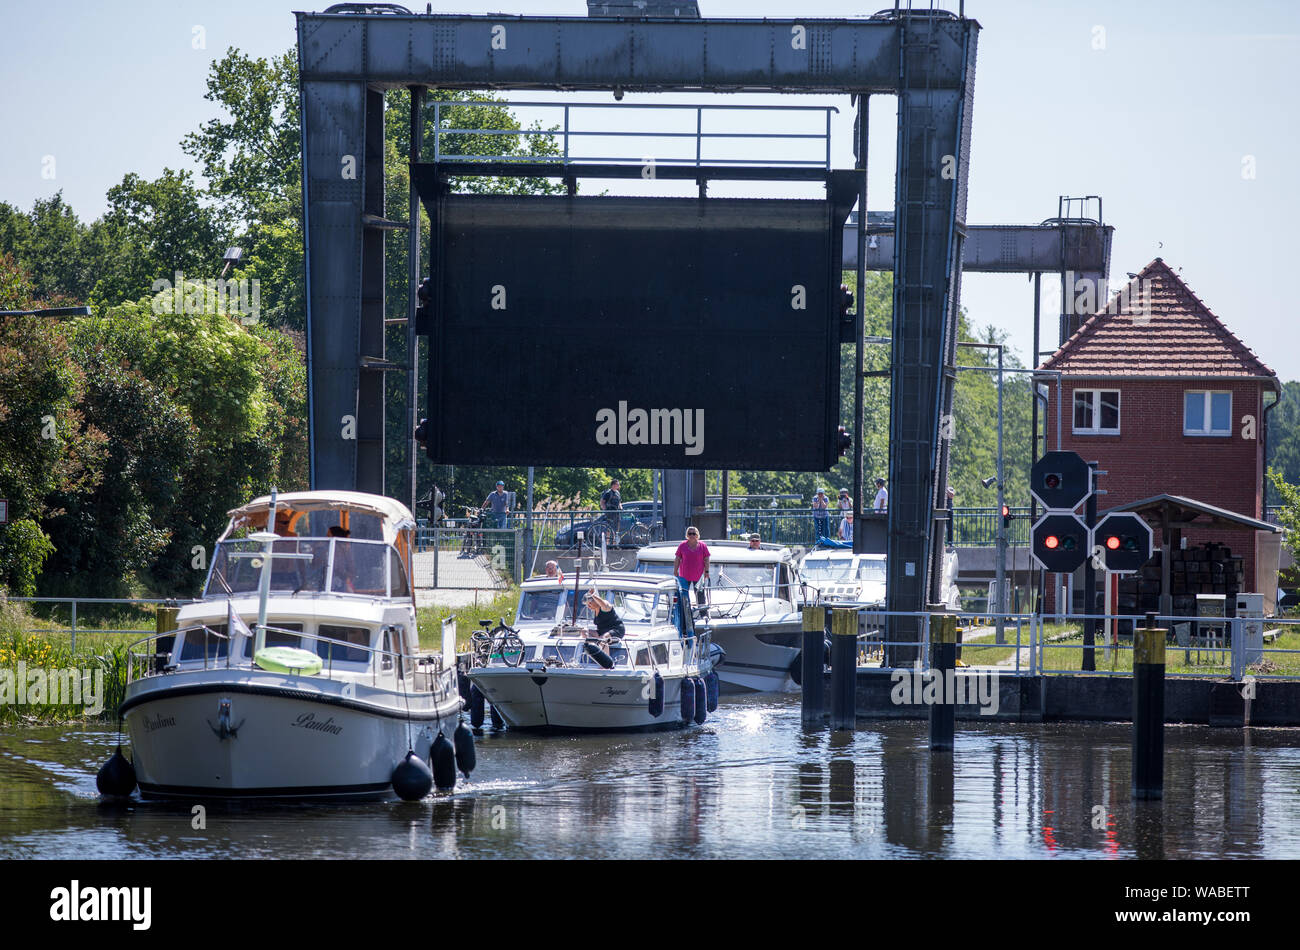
{"x": 350, "y": 54}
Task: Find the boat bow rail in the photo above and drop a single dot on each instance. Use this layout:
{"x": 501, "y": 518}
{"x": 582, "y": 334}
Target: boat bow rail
{"x": 157, "y": 655}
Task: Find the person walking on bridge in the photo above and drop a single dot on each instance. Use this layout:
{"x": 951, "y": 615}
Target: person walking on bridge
{"x": 499, "y": 502}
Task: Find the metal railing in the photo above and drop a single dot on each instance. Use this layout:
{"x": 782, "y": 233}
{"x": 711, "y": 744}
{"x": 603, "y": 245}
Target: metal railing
{"x": 972, "y": 527}
{"x": 697, "y": 644}
{"x": 1234, "y": 647}
{"x": 74, "y": 627}
{"x": 155, "y": 655}
{"x": 572, "y": 137}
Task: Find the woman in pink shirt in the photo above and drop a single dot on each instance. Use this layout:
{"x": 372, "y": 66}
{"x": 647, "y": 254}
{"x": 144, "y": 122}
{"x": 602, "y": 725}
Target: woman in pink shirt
{"x": 691, "y": 563}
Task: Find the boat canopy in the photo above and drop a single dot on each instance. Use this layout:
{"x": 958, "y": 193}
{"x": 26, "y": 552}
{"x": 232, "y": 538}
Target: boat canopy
{"x": 392, "y": 516}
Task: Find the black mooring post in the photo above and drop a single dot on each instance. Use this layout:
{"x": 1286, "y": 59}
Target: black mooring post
{"x": 1149, "y": 711}
{"x": 813, "y": 662}
{"x": 943, "y": 664}
{"x": 844, "y": 669}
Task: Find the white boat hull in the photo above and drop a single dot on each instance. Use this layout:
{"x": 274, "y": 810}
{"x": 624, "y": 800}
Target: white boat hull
{"x": 759, "y": 654}
{"x": 293, "y": 737}
{"x": 586, "y": 699}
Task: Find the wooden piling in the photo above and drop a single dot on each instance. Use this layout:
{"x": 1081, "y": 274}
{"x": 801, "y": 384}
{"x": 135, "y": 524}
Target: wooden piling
{"x": 943, "y": 665}
{"x": 1149, "y": 711}
{"x": 844, "y": 669}
{"x": 813, "y": 660}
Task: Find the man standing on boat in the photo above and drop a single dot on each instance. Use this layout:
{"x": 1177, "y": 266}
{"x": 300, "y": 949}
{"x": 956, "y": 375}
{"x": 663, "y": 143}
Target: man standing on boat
{"x": 881, "y": 502}
{"x": 499, "y": 502}
{"x": 690, "y": 565}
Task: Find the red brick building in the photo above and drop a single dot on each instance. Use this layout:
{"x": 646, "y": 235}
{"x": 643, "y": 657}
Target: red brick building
{"x": 1168, "y": 400}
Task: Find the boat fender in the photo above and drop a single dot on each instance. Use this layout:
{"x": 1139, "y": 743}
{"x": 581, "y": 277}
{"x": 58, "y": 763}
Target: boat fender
{"x": 463, "y": 685}
{"x": 701, "y": 702}
{"x": 497, "y": 721}
{"x": 796, "y": 669}
{"x": 466, "y": 758}
{"x": 476, "y": 701}
{"x": 463, "y": 740}
{"x": 116, "y": 776}
{"x": 598, "y": 654}
{"x": 688, "y": 701}
{"x": 657, "y": 696}
{"x": 712, "y": 686}
{"x": 412, "y": 778}
{"x": 444, "y": 763}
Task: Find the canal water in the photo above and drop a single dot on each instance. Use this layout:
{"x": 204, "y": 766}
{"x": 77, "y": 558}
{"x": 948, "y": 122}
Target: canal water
{"x": 749, "y": 783}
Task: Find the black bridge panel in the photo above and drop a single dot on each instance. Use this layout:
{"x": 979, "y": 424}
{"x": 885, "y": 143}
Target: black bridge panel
{"x": 558, "y": 318}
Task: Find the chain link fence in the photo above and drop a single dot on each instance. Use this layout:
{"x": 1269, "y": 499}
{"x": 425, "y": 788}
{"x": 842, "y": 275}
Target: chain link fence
{"x": 465, "y": 558}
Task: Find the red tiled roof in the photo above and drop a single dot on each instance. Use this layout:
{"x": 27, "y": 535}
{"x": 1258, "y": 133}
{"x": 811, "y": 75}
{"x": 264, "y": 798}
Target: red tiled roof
{"x": 1172, "y": 334}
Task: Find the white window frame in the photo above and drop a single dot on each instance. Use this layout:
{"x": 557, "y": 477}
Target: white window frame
{"x": 1096, "y": 411}
{"x": 1206, "y": 406}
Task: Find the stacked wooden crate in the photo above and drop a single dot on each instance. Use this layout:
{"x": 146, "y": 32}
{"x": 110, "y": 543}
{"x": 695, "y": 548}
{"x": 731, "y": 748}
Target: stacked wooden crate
{"x": 1209, "y": 568}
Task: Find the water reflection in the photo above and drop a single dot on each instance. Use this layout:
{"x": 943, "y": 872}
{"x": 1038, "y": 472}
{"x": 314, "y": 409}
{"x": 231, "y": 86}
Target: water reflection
{"x": 751, "y": 782}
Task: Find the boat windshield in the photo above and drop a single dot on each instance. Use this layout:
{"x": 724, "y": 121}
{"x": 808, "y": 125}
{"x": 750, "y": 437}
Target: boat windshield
{"x": 840, "y": 569}
{"x": 318, "y": 566}
{"x": 631, "y": 606}
{"x": 871, "y": 570}
{"x": 758, "y": 577}
{"x": 664, "y": 568}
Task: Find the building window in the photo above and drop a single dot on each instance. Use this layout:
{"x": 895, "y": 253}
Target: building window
{"x": 1096, "y": 411}
{"x": 1207, "y": 413}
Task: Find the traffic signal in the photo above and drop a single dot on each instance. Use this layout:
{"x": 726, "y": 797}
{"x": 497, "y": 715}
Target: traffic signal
{"x": 843, "y": 441}
{"x": 1059, "y": 542}
{"x": 1006, "y": 516}
{"x": 432, "y": 503}
{"x": 1125, "y": 541}
{"x": 1060, "y": 481}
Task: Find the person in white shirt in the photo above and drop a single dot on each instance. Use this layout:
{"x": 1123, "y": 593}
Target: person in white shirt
{"x": 846, "y": 527}
{"x": 882, "y": 497}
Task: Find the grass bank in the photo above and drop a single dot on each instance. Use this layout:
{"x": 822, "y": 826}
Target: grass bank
{"x": 59, "y": 684}
{"x": 503, "y": 604}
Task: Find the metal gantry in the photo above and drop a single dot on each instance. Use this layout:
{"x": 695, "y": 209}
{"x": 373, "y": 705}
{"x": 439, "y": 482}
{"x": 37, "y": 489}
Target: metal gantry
{"x": 926, "y": 58}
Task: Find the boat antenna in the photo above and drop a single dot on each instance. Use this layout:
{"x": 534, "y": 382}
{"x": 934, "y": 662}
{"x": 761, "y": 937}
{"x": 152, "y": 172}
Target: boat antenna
{"x": 267, "y": 538}
{"x": 577, "y": 573}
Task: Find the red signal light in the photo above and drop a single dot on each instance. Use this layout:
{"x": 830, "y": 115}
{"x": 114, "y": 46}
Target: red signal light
{"x": 1051, "y": 542}
{"x": 1112, "y": 543}
{"x": 1006, "y": 511}
{"x": 1052, "y": 480}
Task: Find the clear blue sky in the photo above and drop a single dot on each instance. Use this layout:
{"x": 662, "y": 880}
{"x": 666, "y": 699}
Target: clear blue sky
{"x": 1157, "y": 123}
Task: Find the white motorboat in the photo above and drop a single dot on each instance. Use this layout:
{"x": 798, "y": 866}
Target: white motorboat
{"x": 551, "y": 673}
{"x": 837, "y": 577}
{"x": 751, "y": 608}
{"x": 298, "y": 674}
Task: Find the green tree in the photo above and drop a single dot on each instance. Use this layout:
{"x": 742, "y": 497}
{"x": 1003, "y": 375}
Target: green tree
{"x": 44, "y": 445}
{"x": 1283, "y": 450}
{"x": 155, "y": 229}
{"x": 249, "y": 156}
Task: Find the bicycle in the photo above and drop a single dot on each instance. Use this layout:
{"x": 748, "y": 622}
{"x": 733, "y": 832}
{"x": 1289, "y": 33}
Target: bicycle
{"x": 502, "y": 642}
{"x": 474, "y": 541}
